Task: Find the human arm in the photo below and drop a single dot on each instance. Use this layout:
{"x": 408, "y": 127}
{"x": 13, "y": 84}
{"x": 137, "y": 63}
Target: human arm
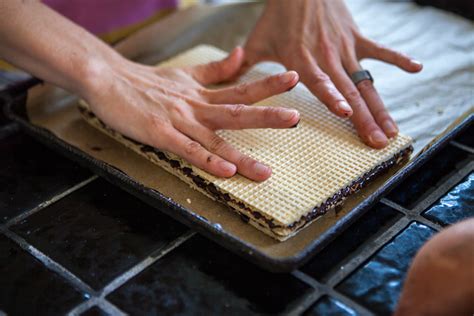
{"x": 168, "y": 108}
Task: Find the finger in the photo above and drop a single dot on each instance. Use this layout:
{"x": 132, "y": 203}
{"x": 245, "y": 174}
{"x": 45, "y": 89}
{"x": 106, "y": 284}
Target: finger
{"x": 239, "y": 116}
{"x": 373, "y": 100}
{"x": 246, "y": 166}
{"x": 377, "y": 108}
{"x": 198, "y": 156}
{"x": 254, "y": 91}
{"x": 324, "y": 89}
{"x": 219, "y": 71}
{"x": 362, "y": 118}
{"x": 375, "y": 50}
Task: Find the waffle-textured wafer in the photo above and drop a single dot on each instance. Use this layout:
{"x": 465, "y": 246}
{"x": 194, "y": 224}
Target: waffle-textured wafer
{"x": 315, "y": 166}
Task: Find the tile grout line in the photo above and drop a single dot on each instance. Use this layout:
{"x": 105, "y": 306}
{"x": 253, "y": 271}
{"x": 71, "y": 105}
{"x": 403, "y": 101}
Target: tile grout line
{"x": 427, "y": 222}
{"x": 50, "y": 263}
{"x": 104, "y": 304}
{"x": 110, "y": 308}
{"x": 303, "y": 303}
{"x": 469, "y": 149}
{"x": 309, "y": 299}
{"x": 444, "y": 188}
{"x": 95, "y": 298}
{"x": 325, "y": 289}
{"x": 45, "y": 204}
{"x": 82, "y": 307}
{"x": 152, "y": 258}
{"x": 433, "y": 196}
{"x": 412, "y": 215}
{"x": 395, "y": 206}
{"x": 99, "y": 299}
{"x": 353, "y": 261}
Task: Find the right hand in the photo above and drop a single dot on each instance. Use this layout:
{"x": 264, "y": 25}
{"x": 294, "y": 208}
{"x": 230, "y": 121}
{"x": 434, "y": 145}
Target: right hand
{"x": 172, "y": 110}
{"x": 320, "y": 40}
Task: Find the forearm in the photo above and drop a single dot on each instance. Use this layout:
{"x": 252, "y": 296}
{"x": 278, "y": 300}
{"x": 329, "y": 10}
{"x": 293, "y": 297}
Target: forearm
{"x": 40, "y": 41}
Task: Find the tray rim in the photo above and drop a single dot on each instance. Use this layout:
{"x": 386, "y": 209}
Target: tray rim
{"x": 15, "y": 109}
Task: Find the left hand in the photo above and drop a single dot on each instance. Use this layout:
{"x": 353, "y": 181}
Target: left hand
{"x": 319, "y": 40}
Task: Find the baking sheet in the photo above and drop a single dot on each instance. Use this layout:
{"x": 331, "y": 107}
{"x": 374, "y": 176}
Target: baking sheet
{"x": 53, "y": 109}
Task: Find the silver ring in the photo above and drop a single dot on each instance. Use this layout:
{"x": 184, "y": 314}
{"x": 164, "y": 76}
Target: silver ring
{"x": 361, "y": 75}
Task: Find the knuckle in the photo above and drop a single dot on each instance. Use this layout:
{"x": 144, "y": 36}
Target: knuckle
{"x": 204, "y": 92}
{"x": 235, "y": 110}
{"x": 270, "y": 80}
{"x": 216, "y": 144}
{"x": 293, "y": 57}
{"x": 162, "y": 138}
{"x": 326, "y": 49}
{"x": 353, "y": 96}
{"x": 269, "y": 112}
{"x": 381, "y": 114}
{"x": 348, "y": 46}
{"x": 321, "y": 81}
{"x": 179, "y": 109}
{"x": 321, "y": 78}
{"x": 368, "y": 125}
{"x": 245, "y": 161}
{"x": 192, "y": 147}
{"x": 157, "y": 123}
{"x": 395, "y": 56}
{"x": 241, "y": 89}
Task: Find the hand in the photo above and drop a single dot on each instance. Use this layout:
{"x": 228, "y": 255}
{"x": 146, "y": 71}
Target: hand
{"x": 319, "y": 40}
{"x": 170, "y": 109}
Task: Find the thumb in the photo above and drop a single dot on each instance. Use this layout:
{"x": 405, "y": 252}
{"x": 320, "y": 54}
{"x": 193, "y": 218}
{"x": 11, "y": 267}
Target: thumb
{"x": 219, "y": 71}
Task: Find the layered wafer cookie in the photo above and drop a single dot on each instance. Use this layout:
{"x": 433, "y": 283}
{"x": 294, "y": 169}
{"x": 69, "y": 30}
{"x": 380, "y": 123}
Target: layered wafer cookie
{"x": 316, "y": 166}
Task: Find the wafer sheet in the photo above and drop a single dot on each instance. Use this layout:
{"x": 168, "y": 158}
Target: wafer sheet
{"x": 315, "y": 166}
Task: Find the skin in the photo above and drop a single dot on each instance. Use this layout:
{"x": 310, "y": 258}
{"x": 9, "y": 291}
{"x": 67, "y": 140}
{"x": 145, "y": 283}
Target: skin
{"x": 172, "y": 108}
{"x": 441, "y": 278}
{"x": 319, "y": 40}
{"x": 168, "y": 108}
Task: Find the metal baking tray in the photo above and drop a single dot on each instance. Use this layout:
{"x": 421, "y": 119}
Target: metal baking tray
{"x": 207, "y": 25}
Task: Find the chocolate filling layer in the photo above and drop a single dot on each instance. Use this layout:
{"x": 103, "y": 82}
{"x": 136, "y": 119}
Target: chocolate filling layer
{"x": 335, "y": 201}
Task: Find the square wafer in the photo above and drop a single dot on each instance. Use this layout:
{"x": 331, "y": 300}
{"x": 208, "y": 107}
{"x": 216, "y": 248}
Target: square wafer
{"x": 315, "y": 166}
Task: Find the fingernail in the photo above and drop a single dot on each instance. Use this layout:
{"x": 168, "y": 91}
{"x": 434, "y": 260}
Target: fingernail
{"x": 228, "y": 167}
{"x": 378, "y": 137}
{"x": 343, "y": 106}
{"x": 288, "y": 115}
{"x": 288, "y": 77}
{"x": 390, "y": 128}
{"x": 416, "y": 62}
{"x": 296, "y": 125}
{"x": 260, "y": 169}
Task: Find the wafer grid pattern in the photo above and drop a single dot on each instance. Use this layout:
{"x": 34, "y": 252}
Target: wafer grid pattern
{"x": 310, "y": 163}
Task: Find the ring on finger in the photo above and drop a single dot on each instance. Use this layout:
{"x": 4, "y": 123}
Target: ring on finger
{"x": 361, "y": 75}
